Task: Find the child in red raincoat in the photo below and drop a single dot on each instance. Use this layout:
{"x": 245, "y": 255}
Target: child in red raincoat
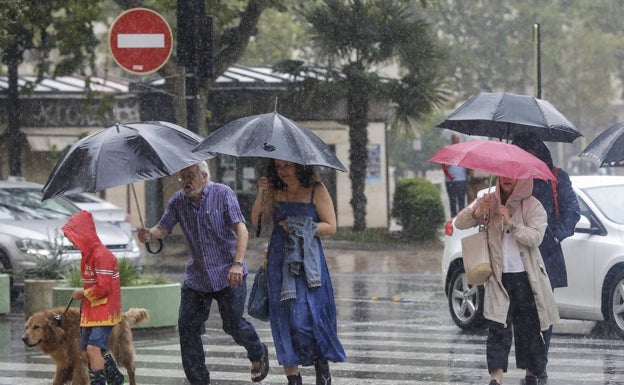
{"x": 100, "y": 296}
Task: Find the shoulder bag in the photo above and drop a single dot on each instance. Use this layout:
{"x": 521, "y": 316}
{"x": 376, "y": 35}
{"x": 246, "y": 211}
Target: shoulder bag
{"x": 258, "y": 305}
{"x": 476, "y": 257}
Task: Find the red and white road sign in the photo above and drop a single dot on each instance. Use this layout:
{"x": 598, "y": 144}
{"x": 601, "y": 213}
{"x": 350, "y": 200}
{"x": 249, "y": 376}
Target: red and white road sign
{"x": 140, "y": 41}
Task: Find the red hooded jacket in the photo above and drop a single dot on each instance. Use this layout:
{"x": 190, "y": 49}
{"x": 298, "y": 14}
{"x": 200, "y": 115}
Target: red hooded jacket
{"x": 101, "y": 305}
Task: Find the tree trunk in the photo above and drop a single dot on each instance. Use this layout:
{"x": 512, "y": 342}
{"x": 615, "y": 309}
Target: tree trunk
{"x": 357, "y": 110}
{"x": 14, "y": 135}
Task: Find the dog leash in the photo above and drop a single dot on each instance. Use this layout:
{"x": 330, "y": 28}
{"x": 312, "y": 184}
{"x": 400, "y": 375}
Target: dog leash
{"x": 58, "y": 317}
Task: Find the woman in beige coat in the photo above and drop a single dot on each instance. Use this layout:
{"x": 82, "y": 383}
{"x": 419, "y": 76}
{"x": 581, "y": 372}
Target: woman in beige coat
{"x": 518, "y": 293}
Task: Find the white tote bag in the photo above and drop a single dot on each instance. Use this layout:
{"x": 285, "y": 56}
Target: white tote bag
{"x": 476, "y": 256}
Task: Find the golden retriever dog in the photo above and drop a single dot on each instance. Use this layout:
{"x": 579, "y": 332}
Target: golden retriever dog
{"x": 57, "y": 333}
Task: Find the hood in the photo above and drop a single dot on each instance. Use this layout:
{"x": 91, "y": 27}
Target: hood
{"x": 80, "y": 229}
{"x": 523, "y": 189}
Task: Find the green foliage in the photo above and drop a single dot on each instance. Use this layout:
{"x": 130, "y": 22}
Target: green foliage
{"x": 360, "y": 36}
{"x": 74, "y": 278}
{"x": 279, "y": 36}
{"x": 401, "y": 153}
{"x": 49, "y": 267}
{"x": 11, "y": 11}
{"x": 492, "y": 48}
{"x": 129, "y": 275}
{"x": 418, "y": 207}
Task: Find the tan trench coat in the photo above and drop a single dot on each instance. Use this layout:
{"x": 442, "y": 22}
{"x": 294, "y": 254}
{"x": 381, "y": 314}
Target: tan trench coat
{"x": 529, "y": 217}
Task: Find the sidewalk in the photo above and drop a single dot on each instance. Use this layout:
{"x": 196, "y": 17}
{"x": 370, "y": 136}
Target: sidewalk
{"x": 342, "y": 256}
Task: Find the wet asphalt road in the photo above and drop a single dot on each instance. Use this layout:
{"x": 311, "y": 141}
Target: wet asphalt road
{"x": 393, "y": 323}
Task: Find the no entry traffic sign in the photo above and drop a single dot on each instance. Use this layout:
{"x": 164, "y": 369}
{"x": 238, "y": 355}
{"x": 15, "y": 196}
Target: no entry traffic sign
{"x": 140, "y": 41}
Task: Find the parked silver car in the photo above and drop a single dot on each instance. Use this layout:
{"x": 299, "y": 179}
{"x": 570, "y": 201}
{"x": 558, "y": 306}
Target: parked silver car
{"x": 594, "y": 259}
{"x": 29, "y": 227}
{"x": 102, "y": 210}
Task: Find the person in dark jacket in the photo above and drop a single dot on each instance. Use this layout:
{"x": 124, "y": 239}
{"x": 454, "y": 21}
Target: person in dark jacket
{"x": 101, "y": 298}
{"x": 562, "y": 209}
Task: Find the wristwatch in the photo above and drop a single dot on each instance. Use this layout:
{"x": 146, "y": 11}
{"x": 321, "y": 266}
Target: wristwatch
{"x": 238, "y": 263}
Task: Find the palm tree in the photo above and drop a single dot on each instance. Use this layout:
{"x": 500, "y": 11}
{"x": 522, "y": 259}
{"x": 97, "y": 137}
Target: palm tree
{"x": 363, "y": 35}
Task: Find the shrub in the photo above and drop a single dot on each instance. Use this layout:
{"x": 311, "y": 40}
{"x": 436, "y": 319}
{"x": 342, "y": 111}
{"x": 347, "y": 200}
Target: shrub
{"x": 129, "y": 275}
{"x": 418, "y": 207}
{"x": 51, "y": 265}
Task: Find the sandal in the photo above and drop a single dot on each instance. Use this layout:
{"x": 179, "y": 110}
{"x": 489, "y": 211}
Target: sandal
{"x": 260, "y": 372}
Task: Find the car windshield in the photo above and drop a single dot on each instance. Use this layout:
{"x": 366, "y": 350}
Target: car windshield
{"x": 605, "y": 197}
{"x": 19, "y": 203}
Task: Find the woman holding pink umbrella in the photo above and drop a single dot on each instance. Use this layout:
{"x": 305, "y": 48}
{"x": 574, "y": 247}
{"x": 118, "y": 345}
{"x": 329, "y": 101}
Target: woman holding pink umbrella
{"x": 518, "y": 303}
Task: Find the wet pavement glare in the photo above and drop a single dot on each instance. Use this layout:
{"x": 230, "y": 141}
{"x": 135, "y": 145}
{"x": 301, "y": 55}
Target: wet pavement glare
{"x": 393, "y": 322}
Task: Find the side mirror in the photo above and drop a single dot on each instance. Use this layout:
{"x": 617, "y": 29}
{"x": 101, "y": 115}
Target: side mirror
{"x": 584, "y": 226}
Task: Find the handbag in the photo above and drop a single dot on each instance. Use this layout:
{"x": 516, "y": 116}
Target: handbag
{"x": 258, "y": 305}
{"x": 476, "y": 256}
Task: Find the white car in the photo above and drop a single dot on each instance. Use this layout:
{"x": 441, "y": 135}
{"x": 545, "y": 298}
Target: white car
{"x": 594, "y": 259}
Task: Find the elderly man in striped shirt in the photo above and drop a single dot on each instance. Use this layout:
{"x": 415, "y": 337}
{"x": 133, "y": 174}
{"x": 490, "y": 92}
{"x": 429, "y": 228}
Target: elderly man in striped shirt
{"x": 216, "y": 235}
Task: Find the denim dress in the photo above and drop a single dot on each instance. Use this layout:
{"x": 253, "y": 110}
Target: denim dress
{"x": 304, "y": 328}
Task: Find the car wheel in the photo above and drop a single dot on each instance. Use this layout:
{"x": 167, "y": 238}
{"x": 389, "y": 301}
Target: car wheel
{"x": 465, "y": 301}
{"x": 615, "y": 303}
{"x": 7, "y": 268}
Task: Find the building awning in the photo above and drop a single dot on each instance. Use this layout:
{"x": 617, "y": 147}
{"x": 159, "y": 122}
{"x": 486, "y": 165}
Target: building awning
{"x": 55, "y": 138}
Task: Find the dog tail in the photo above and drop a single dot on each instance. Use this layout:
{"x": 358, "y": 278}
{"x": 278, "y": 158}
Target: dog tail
{"x": 136, "y": 315}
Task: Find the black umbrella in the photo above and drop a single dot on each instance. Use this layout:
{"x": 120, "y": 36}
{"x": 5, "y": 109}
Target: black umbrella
{"x": 122, "y": 154}
{"x": 270, "y": 136}
{"x": 504, "y": 115}
{"x": 608, "y": 147}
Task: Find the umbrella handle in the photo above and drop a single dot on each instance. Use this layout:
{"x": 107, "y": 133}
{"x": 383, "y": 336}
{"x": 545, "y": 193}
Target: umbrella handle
{"x": 160, "y": 247}
{"x": 259, "y": 229}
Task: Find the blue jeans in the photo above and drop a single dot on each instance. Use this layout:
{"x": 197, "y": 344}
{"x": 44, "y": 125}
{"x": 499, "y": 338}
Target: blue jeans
{"x": 194, "y": 311}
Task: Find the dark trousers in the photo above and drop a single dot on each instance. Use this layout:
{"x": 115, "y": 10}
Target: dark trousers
{"x": 457, "y": 195}
{"x": 194, "y": 311}
{"x": 522, "y": 325}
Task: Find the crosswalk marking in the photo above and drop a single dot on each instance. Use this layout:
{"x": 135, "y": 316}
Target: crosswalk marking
{"x": 395, "y": 343}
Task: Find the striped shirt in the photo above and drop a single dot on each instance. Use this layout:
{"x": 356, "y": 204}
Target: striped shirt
{"x": 209, "y": 233}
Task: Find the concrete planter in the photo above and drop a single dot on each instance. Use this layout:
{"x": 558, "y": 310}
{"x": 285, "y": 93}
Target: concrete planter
{"x": 161, "y": 301}
{"x": 5, "y": 294}
{"x": 38, "y": 295}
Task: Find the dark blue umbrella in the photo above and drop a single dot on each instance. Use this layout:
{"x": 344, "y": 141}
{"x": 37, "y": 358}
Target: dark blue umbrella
{"x": 608, "y": 147}
{"x": 504, "y": 115}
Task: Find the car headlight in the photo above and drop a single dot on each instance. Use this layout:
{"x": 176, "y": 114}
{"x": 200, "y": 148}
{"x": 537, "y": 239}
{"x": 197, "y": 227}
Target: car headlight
{"x": 35, "y": 247}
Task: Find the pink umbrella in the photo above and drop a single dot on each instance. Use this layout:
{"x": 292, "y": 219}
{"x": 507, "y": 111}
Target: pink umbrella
{"x": 493, "y": 157}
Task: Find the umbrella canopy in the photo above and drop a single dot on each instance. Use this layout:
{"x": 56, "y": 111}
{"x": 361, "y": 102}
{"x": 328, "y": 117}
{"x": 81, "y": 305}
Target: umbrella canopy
{"x": 494, "y": 157}
{"x": 504, "y": 115}
{"x": 270, "y": 136}
{"x": 123, "y": 154}
{"x": 608, "y": 147}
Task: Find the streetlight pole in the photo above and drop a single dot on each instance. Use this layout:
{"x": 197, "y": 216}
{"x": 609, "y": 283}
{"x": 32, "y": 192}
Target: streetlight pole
{"x": 538, "y": 60}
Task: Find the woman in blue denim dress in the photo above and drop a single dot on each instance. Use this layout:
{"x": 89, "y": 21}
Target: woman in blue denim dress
{"x": 301, "y": 299}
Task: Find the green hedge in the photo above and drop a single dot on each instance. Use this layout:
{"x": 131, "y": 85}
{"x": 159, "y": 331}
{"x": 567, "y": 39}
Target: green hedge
{"x": 418, "y": 207}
